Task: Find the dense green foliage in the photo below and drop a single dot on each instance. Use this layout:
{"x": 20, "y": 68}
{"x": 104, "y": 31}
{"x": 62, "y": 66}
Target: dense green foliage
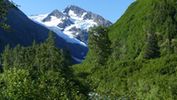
{"x": 39, "y": 72}
{"x": 141, "y": 17}
{"x": 114, "y": 68}
{"x": 140, "y": 79}
{"x": 148, "y": 29}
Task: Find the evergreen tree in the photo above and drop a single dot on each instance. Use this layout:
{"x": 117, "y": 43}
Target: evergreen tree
{"x": 116, "y": 50}
{"x": 6, "y": 58}
{"x": 152, "y": 49}
{"x": 99, "y": 44}
{"x": 48, "y": 55}
{"x": 171, "y": 33}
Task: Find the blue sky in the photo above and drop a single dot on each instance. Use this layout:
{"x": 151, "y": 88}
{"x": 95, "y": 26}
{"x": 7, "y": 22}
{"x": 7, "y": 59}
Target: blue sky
{"x": 109, "y": 9}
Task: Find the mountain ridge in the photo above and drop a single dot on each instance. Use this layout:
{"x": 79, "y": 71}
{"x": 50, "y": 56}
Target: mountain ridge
{"x": 73, "y": 21}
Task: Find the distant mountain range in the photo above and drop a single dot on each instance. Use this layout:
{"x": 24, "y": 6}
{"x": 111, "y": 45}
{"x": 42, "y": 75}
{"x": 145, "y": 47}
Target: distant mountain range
{"x": 73, "y": 21}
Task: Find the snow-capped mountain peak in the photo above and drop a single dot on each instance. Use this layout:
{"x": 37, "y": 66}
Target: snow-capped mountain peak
{"x": 74, "y": 10}
{"x": 54, "y": 14}
{"x": 73, "y": 21}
